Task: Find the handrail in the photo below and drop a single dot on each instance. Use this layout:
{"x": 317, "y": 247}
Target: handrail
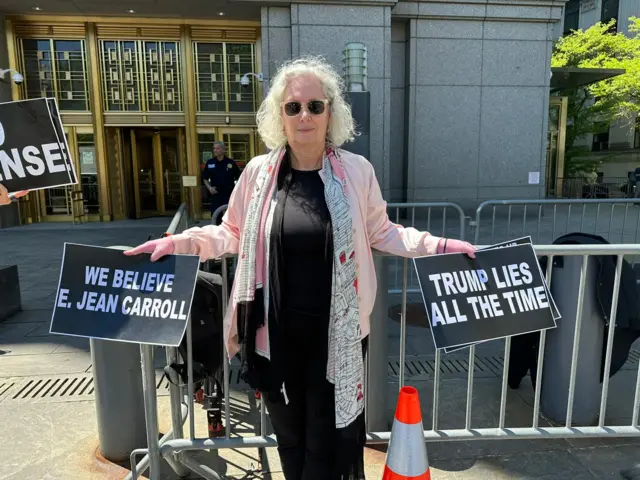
{"x": 177, "y": 219}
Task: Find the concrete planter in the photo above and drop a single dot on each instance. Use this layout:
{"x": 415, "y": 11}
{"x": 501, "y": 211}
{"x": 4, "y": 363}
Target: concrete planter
{"x": 10, "y": 287}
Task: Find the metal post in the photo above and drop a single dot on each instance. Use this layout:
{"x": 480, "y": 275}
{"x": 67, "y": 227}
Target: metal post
{"x": 117, "y": 381}
{"x": 377, "y": 383}
{"x": 175, "y": 395}
{"x": 117, "y": 384}
{"x": 150, "y": 410}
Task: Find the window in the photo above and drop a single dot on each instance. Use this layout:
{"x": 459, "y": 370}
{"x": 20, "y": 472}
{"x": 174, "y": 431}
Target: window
{"x": 610, "y": 11}
{"x": 571, "y": 16}
{"x": 56, "y": 68}
{"x": 141, "y": 76}
{"x": 601, "y": 139}
{"x": 219, "y": 69}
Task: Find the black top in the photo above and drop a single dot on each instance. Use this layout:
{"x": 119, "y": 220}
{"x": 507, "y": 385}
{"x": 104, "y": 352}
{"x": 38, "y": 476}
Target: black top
{"x": 221, "y": 174}
{"x": 306, "y": 245}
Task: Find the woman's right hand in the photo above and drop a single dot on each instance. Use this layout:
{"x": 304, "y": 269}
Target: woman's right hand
{"x": 157, "y": 248}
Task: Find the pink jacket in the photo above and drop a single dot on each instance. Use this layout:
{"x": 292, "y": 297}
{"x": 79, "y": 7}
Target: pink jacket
{"x": 372, "y": 229}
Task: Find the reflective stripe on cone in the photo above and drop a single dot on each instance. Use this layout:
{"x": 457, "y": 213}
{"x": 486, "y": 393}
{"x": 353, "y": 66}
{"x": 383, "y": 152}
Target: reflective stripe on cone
{"x": 407, "y": 454}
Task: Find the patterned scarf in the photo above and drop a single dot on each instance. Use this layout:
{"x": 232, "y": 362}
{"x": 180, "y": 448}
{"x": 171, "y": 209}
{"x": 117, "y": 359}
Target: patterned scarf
{"x": 345, "y": 368}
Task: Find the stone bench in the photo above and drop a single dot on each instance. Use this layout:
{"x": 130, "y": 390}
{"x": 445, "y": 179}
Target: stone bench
{"x": 10, "y": 302}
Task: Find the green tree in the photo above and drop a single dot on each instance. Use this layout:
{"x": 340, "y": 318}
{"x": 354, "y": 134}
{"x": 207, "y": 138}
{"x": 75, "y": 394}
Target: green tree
{"x": 617, "y": 98}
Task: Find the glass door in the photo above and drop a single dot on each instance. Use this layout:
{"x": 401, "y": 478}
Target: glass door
{"x": 156, "y": 158}
{"x": 169, "y": 165}
{"x": 146, "y": 191}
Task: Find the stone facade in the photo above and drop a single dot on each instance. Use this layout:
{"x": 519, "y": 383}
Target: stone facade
{"x": 459, "y": 89}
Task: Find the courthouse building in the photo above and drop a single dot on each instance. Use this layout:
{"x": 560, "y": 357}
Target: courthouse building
{"x": 459, "y": 92}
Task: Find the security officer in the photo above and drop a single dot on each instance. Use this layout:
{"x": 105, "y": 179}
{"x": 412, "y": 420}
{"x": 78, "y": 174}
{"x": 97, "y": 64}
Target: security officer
{"x": 219, "y": 176}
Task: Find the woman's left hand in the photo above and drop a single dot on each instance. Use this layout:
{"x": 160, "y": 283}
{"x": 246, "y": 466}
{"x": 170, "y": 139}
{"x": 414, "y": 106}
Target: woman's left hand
{"x": 5, "y": 198}
{"x": 450, "y": 245}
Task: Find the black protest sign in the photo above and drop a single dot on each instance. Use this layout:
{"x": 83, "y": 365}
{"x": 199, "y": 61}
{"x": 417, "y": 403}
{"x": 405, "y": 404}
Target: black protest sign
{"x": 498, "y": 294}
{"x": 105, "y": 294}
{"x": 33, "y": 150}
{"x": 517, "y": 241}
{"x": 52, "y": 104}
{"x": 527, "y": 241}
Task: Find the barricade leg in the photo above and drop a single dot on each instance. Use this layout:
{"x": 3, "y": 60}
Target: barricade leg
{"x": 376, "y": 386}
{"x": 198, "y": 468}
{"x": 175, "y": 397}
{"x": 150, "y": 410}
{"x": 117, "y": 381}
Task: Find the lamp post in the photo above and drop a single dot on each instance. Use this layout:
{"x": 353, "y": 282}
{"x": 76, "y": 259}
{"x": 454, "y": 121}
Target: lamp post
{"x": 355, "y": 67}
{"x": 355, "y": 77}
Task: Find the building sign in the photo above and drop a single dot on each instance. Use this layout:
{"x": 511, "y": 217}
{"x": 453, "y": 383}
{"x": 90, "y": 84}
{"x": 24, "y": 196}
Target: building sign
{"x": 34, "y": 153}
{"x": 498, "y": 294}
{"x": 105, "y": 294}
{"x": 88, "y": 164}
{"x": 189, "y": 181}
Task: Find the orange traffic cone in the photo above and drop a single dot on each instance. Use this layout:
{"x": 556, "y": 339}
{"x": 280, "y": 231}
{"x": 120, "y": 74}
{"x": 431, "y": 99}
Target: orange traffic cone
{"x": 407, "y": 453}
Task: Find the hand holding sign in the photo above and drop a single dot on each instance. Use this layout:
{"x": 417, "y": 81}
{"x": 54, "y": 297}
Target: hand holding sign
{"x": 499, "y": 294}
{"x": 450, "y": 245}
{"x": 6, "y": 199}
{"x": 104, "y": 294}
{"x": 157, "y": 248}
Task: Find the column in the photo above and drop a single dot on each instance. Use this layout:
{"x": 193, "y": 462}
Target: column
{"x": 9, "y": 215}
{"x": 97, "y": 110}
{"x": 190, "y": 109}
{"x": 276, "y": 40}
{"x": 326, "y": 29}
{"x": 478, "y": 99}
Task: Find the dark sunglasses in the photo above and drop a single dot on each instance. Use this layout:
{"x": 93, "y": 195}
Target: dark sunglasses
{"x": 315, "y": 107}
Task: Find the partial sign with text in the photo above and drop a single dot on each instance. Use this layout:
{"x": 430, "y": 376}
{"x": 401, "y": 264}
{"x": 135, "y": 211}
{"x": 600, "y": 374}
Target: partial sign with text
{"x": 33, "y": 148}
{"x": 104, "y": 294}
{"x": 499, "y": 293}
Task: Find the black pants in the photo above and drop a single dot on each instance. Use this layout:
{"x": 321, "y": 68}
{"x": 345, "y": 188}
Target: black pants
{"x": 305, "y": 426}
{"x": 218, "y": 200}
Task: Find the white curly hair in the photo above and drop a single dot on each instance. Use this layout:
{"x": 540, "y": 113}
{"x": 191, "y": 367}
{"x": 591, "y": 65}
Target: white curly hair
{"x": 341, "y": 124}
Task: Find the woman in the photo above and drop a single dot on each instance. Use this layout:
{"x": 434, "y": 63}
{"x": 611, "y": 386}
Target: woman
{"x": 303, "y": 220}
{"x": 6, "y": 198}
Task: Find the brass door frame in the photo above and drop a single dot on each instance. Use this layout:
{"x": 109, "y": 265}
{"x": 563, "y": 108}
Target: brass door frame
{"x": 157, "y": 170}
{"x": 563, "y": 104}
{"x": 136, "y": 176}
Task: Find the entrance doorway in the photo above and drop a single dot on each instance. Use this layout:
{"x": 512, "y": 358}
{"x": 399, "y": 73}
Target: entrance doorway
{"x": 153, "y": 168}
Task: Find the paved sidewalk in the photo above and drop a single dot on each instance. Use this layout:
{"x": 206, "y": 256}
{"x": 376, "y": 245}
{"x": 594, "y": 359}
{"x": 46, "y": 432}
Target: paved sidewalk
{"x": 48, "y": 418}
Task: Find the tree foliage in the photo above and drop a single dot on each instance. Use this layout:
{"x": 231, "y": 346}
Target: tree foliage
{"x": 599, "y": 105}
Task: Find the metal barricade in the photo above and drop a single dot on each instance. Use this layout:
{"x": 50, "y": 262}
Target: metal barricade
{"x": 179, "y": 451}
{"x": 617, "y": 220}
{"x": 443, "y": 219}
